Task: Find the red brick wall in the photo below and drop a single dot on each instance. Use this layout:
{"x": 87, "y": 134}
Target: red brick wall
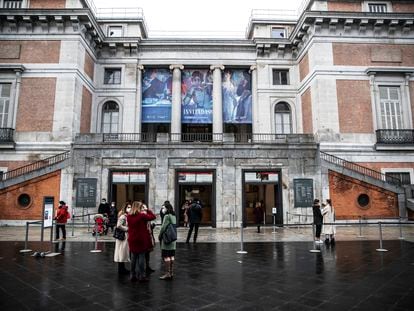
{"x": 307, "y": 112}
{"x": 349, "y": 54}
{"x": 36, "y": 105}
{"x": 345, "y": 6}
{"x": 354, "y": 106}
{"x": 85, "y": 124}
{"x": 304, "y": 67}
{"x": 11, "y": 165}
{"x": 47, "y": 4}
{"x": 379, "y": 165}
{"x": 403, "y": 7}
{"x": 37, "y": 188}
{"x": 89, "y": 65}
{"x": 344, "y": 192}
{"x": 31, "y": 52}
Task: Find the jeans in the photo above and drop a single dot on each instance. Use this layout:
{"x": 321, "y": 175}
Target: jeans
{"x": 192, "y": 226}
{"x": 138, "y": 258}
{"x": 63, "y": 228}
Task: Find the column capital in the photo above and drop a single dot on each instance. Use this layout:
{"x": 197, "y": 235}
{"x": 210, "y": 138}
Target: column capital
{"x": 140, "y": 67}
{"x": 221, "y": 67}
{"x": 252, "y": 68}
{"x": 176, "y": 66}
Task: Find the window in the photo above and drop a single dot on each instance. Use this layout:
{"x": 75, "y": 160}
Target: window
{"x": 112, "y": 76}
{"x": 24, "y": 200}
{"x": 110, "y": 117}
{"x": 390, "y": 107}
{"x": 115, "y": 31}
{"x": 283, "y": 118}
{"x": 12, "y": 4}
{"x": 278, "y": 32}
{"x": 4, "y": 104}
{"x": 280, "y": 77}
{"x": 404, "y": 177}
{"x": 377, "y": 7}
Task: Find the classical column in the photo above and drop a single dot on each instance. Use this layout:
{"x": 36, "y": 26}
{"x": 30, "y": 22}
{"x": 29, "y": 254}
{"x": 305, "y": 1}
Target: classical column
{"x": 376, "y": 116}
{"x": 217, "y": 101}
{"x": 176, "y": 101}
{"x": 138, "y": 127}
{"x": 408, "y": 122}
{"x": 16, "y": 97}
{"x": 255, "y": 107}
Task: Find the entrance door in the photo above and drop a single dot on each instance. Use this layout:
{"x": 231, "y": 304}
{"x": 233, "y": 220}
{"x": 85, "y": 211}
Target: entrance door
{"x": 193, "y": 185}
{"x": 129, "y": 186}
{"x": 262, "y": 187}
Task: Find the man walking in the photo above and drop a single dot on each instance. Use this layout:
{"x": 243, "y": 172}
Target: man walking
{"x": 195, "y": 214}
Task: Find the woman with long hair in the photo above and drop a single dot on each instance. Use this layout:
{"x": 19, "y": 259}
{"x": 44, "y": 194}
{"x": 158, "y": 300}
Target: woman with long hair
{"x": 121, "y": 254}
{"x": 139, "y": 239}
{"x": 168, "y": 250}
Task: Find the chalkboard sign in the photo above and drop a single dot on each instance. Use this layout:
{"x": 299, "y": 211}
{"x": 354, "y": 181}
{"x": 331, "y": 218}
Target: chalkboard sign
{"x": 303, "y": 189}
{"x": 86, "y": 192}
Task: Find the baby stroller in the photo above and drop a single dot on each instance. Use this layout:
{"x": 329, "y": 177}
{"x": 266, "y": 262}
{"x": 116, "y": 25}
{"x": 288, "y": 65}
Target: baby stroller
{"x": 101, "y": 225}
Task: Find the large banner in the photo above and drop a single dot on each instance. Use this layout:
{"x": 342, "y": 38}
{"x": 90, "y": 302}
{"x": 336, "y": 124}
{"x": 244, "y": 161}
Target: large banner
{"x": 156, "y": 96}
{"x": 237, "y": 96}
{"x": 197, "y": 100}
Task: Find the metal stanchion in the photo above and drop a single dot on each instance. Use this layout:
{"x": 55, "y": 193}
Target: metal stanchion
{"x": 274, "y": 223}
{"x": 96, "y": 250}
{"x": 26, "y": 250}
{"x": 230, "y": 220}
{"x": 241, "y": 251}
{"x": 73, "y": 224}
{"x": 401, "y": 233}
{"x": 314, "y": 250}
{"x": 234, "y": 220}
{"x": 360, "y": 227}
{"x": 380, "y": 232}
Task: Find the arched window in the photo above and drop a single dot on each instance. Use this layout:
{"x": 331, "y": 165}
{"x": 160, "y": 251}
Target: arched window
{"x": 283, "y": 118}
{"x": 110, "y": 117}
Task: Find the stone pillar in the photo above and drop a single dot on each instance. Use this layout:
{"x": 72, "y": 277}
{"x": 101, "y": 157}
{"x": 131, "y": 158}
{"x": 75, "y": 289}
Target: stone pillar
{"x": 16, "y": 98}
{"x": 255, "y": 107}
{"x": 376, "y": 117}
{"x": 408, "y": 116}
{"x": 176, "y": 101}
{"x": 217, "y": 101}
{"x": 138, "y": 114}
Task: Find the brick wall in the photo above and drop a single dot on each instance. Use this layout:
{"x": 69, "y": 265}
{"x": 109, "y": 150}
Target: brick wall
{"x": 47, "y": 4}
{"x": 307, "y": 112}
{"x": 85, "y": 124}
{"x": 30, "y": 52}
{"x": 354, "y": 106}
{"x": 37, "y": 188}
{"x": 349, "y": 54}
{"x": 304, "y": 67}
{"x": 11, "y": 165}
{"x": 379, "y": 165}
{"x": 402, "y": 7}
{"x": 36, "y": 105}
{"x": 344, "y": 192}
{"x": 345, "y": 6}
{"x": 89, "y": 65}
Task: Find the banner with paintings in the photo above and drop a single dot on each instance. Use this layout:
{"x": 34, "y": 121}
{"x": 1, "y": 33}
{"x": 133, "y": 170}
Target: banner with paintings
{"x": 237, "y": 96}
{"x": 197, "y": 99}
{"x": 156, "y": 95}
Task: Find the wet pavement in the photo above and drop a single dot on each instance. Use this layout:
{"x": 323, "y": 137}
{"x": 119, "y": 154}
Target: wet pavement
{"x": 352, "y": 275}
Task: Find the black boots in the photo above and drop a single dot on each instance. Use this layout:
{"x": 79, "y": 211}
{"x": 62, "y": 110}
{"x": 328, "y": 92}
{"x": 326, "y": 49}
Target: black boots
{"x": 121, "y": 268}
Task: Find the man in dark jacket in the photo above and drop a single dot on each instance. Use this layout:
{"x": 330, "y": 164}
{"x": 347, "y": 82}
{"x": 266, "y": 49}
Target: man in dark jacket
{"x": 104, "y": 208}
{"x": 195, "y": 214}
{"x": 317, "y": 220}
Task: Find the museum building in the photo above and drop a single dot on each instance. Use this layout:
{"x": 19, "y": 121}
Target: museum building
{"x": 314, "y": 104}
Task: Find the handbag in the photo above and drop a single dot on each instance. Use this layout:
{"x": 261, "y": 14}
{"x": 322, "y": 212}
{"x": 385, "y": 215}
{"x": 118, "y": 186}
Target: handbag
{"x": 170, "y": 234}
{"x": 119, "y": 234}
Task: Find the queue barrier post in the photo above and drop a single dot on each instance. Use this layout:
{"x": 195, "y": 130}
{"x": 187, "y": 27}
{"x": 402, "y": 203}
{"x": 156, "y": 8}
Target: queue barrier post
{"x": 314, "y": 250}
{"x": 26, "y": 250}
{"x": 401, "y": 233}
{"x": 96, "y": 250}
{"x": 381, "y": 249}
{"x": 241, "y": 251}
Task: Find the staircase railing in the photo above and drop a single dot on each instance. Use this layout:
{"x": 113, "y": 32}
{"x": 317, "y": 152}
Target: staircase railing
{"x": 359, "y": 169}
{"x": 35, "y": 166}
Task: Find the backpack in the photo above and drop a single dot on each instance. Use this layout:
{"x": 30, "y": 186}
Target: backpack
{"x": 170, "y": 234}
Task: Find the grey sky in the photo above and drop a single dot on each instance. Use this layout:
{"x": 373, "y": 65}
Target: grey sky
{"x": 199, "y": 16}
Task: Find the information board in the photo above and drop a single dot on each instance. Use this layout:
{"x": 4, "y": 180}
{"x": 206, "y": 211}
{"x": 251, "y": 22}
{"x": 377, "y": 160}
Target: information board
{"x": 48, "y": 212}
{"x": 86, "y": 192}
{"x": 303, "y": 190}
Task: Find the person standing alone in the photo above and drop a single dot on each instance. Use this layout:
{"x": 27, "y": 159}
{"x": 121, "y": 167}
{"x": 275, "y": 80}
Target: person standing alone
{"x": 61, "y": 218}
{"x": 317, "y": 220}
{"x": 195, "y": 214}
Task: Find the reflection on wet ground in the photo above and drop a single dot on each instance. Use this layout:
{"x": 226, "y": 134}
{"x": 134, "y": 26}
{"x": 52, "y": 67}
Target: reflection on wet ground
{"x": 212, "y": 276}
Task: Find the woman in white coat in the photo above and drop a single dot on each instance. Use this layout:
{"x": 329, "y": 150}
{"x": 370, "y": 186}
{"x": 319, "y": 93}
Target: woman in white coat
{"x": 121, "y": 255}
{"x": 328, "y": 230}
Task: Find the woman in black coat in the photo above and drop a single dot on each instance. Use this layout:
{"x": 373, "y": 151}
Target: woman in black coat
{"x": 317, "y": 220}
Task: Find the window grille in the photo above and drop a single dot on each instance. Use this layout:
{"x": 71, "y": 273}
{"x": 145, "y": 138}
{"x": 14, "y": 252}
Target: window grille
{"x": 390, "y": 107}
{"x": 377, "y": 7}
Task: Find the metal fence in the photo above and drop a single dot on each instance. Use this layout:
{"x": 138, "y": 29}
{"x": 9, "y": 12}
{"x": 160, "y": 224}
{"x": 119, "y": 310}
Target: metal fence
{"x": 395, "y": 137}
{"x": 6, "y": 135}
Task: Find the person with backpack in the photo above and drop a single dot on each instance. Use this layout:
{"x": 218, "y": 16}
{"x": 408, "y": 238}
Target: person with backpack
{"x": 168, "y": 249}
{"x": 195, "y": 214}
{"x": 61, "y": 218}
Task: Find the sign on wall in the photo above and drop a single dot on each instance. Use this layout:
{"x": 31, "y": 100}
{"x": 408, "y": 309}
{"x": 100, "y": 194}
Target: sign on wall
{"x": 156, "y": 96}
{"x": 303, "y": 192}
{"x": 48, "y": 212}
{"x": 237, "y": 96}
{"x": 196, "y": 96}
{"x": 86, "y": 192}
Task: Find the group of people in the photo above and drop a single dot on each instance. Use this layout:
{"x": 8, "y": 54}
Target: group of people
{"x": 135, "y": 220}
{"x": 323, "y": 218}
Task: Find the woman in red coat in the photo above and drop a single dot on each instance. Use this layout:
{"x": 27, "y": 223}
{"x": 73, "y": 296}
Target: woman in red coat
{"x": 139, "y": 239}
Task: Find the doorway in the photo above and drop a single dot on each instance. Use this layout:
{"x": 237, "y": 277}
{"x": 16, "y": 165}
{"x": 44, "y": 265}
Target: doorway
{"x": 128, "y": 186}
